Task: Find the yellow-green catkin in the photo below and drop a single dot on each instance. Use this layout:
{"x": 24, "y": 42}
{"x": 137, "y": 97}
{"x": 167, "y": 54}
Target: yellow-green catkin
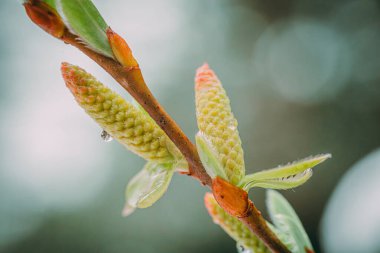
{"x": 218, "y": 124}
{"x": 233, "y": 227}
{"x": 130, "y": 126}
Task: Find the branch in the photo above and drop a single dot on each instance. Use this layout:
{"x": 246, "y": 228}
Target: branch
{"x": 131, "y": 79}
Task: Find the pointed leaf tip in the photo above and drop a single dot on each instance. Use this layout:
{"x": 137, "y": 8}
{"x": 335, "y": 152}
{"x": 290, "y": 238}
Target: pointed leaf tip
{"x": 127, "y": 210}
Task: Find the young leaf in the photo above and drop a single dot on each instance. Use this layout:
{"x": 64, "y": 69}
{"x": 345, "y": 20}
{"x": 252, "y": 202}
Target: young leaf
{"x": 208, "y": 157}
{"x": 51, "y": 3}
{"x": 148, "y": 186}
{"x": 284, "y": 177}
{"x": 84, "y": 20}
{"x": 286, "y": 220}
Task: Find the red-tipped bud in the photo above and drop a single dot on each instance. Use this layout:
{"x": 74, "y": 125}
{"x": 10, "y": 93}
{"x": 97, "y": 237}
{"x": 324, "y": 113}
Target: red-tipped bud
{"x": 45, "y": 17}
{"x": 121, "y": 49}
{"x": 205, "y": 78}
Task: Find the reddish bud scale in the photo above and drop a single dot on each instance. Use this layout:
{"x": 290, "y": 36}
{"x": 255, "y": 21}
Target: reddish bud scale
{"x": 45, "y": 17}
{"x": 233, "y": 199}
{"x": 121, "y": 50}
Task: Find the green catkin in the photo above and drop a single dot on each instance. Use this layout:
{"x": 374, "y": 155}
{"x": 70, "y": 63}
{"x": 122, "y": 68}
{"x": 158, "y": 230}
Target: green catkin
{"x": 217, "y": 123}
{"x": 128, "y": 125}
{"x": 234, "y": 227}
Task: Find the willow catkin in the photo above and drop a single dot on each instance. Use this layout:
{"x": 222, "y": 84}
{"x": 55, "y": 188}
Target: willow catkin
{"x": 233, "y": 226}
{"x": 218, "y": 124}
{"x": 130, "y": 126}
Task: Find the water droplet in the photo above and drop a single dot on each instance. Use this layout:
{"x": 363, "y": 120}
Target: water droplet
{"x": 106, "y": 136}
{"x": 242, "y": 249}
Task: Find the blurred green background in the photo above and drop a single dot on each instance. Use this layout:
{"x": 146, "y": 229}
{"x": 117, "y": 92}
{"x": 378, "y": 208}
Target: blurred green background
{"x": 303, "y": 78}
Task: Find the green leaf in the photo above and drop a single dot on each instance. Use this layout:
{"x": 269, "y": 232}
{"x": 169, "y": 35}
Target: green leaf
{"x": 148, "y": 186}
{"x": 284, "y": 183}
{"x": 284, "y": 177}
{"x": 209, "y": 157}
{"x": 82, "y": 17}
{"x": 286, "y": 220}
{"x": 51, "y": 3}
{"x": 284, "y": 237}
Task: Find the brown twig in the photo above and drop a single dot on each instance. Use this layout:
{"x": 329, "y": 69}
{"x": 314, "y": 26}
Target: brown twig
{"x": 132, "y": 80}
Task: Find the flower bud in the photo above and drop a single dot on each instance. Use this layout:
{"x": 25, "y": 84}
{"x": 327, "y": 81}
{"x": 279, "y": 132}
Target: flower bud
{"x": 45, "y": 17}
{"x": 130, "y": 126}
{"x": 218, "y": 125}
{"x": 121, "y": 49}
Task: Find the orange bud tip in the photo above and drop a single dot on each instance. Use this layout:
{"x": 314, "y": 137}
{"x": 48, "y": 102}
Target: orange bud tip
{"x": 121, "y": 50}
{"x": 72, "y": 79}
{"x": 45, "y": 17}
{"x": 231, "y": 198}
{"x": 127, "y": 210}
{"x": 205, "y": 77}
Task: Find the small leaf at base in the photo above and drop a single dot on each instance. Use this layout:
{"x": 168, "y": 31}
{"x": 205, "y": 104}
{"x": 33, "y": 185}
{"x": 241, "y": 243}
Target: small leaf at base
{"x": 286, "y": 220}
{"x": 209, "y": 157}
{"x": 148, "y": 186}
